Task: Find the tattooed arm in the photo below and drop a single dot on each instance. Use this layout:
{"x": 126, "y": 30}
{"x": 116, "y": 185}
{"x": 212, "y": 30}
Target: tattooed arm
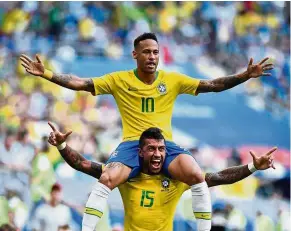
{"x": 227, "y": 176}
{"x": 65, "y": 80}
{"x": 72, "y": 157}
{"x": 224, "y": 83}
{"x": 237, "y": 173}
{"x": 78, "y": 162}
{"x": 73, "y": 82}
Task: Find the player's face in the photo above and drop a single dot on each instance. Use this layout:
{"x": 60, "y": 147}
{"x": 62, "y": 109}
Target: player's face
{"x": 147, "y": 56}
{"x": 153, "y": 154}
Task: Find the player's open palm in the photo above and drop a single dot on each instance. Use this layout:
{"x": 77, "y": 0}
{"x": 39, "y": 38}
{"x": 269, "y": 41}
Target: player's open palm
{"x": 56, "y": 137}
{"x": 259, "y": 69}
{"x": 32, "y": 67}
{"x": 265, "y": 161}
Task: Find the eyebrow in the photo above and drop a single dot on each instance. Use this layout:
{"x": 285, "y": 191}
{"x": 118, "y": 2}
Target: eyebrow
{"x": 162, "y": 146}
{"x": 148, "y": 49}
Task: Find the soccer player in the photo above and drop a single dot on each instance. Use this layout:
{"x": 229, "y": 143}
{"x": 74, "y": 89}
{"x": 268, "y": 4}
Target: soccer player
{"x": 145, "y": 98}
{"x": 150, "y": 198}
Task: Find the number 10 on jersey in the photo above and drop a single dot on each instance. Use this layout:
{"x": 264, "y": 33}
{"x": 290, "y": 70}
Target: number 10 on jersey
{"x": 147, "y": 104}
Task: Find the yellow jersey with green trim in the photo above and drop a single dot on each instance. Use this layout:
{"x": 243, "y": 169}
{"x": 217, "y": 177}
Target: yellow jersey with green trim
{"x": 150, "y": 202}
{"x": 143, "y": 106}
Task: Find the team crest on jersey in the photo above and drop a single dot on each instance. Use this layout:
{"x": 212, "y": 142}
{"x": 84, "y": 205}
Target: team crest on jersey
{"x": 162, "y": 88}
{"x": 165, "y": 184}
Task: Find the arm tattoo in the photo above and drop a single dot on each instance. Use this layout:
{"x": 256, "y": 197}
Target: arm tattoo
{"x": 62, "y": 79}
{"x": 95, "y": 170}
{"x": 89, "y": 85}
{"x": 78, "y": 162}
{"x": 114, "y": 165}
{"x": 227, "y": 176}
{"x": 73, "y": 82}
{"x": 221, "y": 84}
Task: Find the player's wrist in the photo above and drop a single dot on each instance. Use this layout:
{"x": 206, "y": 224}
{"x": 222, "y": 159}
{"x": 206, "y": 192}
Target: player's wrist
{"x": 47, "y": 74}
{"x": 61, "y": 146}
{"x": 245, "y": 74}
{"x": 252, "y": 167}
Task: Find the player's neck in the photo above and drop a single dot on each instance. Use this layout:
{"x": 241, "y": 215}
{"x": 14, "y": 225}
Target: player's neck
{"x": 145, "y": 77}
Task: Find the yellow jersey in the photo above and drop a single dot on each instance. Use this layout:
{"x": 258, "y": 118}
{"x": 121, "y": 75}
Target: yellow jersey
{"x": 143, "y": 106}
{"x": 150, "y": 202}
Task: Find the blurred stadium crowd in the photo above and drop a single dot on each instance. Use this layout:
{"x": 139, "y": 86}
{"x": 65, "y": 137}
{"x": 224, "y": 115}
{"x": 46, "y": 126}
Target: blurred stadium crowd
{"x": 224, "y": 34}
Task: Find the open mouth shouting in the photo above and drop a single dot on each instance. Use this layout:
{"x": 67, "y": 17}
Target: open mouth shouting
{"x": 156, "y": 164}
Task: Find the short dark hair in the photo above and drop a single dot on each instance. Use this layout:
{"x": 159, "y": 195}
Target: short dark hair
{"x": 144, "y": 36}
{"x": 150, "y": 133}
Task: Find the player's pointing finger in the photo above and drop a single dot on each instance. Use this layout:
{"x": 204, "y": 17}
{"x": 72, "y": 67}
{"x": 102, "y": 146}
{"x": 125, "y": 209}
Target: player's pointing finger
{"x": 253, "y": 154}
{"x": 52, "y": 126}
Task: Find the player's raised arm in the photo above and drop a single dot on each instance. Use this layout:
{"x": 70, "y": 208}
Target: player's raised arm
{"x": 65, "y": 80}
{"x": 234, "y": 174}
{"x": 224, "y": 83}
{"x": 72, "y": 157}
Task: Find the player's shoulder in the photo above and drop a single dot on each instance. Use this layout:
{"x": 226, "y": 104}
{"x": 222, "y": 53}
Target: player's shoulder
{"x": 170, "y": 74}
{"x": 171, "y": 78}
{"x": 116, "y": 77}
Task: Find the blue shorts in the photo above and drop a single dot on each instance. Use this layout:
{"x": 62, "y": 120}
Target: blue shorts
{"x": 127, "y": 154}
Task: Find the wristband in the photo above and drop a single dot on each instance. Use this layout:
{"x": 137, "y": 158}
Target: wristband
{"x": 47, "y": 74}
{"x": 61, "y": 146}
{"x": 252, "y": 167}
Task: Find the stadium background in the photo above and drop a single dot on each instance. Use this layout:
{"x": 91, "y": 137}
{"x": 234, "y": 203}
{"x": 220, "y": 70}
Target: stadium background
{"x": 201, "y": 39}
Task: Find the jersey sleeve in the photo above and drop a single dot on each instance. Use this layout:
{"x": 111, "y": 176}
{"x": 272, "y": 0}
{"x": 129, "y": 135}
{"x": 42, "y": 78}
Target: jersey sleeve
{"x": 187, "y": 84}
{"x": 105, "y": 84}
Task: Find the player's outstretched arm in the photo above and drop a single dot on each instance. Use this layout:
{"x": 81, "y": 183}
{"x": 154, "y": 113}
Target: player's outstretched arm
{"x": 65, "y": 80}
{"x": 234, "y": 174}
{"x": 224, "y": 83}
{"x": 72, "y": 157}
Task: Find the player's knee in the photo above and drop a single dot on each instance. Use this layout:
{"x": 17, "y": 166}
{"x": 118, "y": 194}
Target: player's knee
{"x": 107, "y": 179}
{"x": 194, "y": 177}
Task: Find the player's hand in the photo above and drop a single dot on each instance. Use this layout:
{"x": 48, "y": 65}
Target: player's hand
{"x": 265, "y": 161}
{"x": 32, "y": 67}
{"x": 259, "y": 69}
{"x": 56, "y": 137}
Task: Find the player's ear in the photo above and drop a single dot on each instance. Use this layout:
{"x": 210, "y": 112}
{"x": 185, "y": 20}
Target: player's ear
{"x": 140, "y": 152}
{"x": 134, "y": 54}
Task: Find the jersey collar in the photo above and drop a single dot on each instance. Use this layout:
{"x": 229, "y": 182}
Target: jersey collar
{"x": 136, "y": 75}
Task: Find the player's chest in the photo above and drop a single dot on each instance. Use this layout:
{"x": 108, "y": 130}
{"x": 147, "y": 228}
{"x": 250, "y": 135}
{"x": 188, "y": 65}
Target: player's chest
{"x": 153, "y": 194}
{"x": 134, "y": 89}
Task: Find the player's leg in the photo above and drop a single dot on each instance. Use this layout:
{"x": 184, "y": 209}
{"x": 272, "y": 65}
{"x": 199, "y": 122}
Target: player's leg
{"x": 184, "y": 168}
{"x": 114, "y": 174}
{"x": 122, "y": 165}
